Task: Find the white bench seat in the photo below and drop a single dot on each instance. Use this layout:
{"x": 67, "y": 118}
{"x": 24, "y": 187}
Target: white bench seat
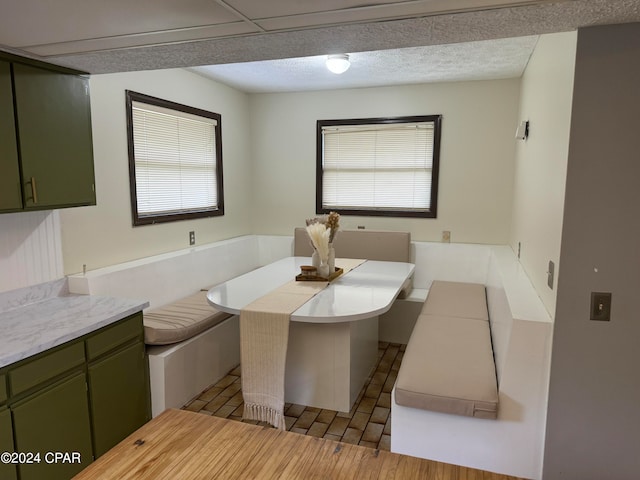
{"x": 448, "y": 365}
{"x": 191, "y": 345}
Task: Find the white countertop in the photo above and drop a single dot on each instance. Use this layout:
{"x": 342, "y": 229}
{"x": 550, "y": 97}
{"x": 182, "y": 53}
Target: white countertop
{"x": 364, "y": 292}
{"x": 36, "y": 327}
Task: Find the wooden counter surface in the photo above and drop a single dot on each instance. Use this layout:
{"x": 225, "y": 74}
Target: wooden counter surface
{"x": 182, "y": 445}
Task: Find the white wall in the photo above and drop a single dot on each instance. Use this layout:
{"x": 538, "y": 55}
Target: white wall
{"x": 541, "y": 160}
{"x": 103, "y": 235}
{"x": 476, "y": 161}
{"x": 30, "y": 249}
{"x": 269, "y": 184}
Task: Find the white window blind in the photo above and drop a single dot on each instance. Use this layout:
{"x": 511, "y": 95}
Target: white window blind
{"x": 175, "y": 161}
{"x": 378, "y": 166}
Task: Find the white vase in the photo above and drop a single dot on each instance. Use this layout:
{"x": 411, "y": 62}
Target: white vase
{"x": 332, "y": 259}
{"x": 323, "y": 270}
{"x": 315, "y": 259}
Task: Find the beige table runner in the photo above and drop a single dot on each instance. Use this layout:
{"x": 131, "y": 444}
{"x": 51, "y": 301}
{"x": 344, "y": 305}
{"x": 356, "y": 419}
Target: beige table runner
{"x": 264, "y": 335}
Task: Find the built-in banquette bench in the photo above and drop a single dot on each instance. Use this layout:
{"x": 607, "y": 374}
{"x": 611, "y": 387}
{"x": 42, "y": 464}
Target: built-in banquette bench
{"x": 190, "y": 345}
{"x": 449, "y": 402}
{"x": 448, "y": 365}
{"x": 521, "y": 331}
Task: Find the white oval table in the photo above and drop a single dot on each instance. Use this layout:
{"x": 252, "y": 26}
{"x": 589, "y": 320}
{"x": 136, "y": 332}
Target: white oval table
{"x": 333, "y": 338}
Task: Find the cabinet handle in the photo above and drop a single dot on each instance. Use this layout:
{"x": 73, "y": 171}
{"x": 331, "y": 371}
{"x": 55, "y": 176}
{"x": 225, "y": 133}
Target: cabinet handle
{"x": 34, "y": 192}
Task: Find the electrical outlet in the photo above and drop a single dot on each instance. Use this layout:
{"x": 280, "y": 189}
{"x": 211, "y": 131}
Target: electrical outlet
{"x": 192, "y": 238}
{"x": 446, "y": 236}
{"x": 601, "y": 306}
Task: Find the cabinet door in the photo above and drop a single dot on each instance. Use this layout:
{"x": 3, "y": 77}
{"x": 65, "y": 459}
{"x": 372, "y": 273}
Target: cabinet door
{"x": 54, "y": 420}
{"x": 3, "y": 388}
{"x": 54, "y": 128}
{"x": 10, "y": 192}
{"x": 119, "y": 392}
{"x": 7, "y": 470}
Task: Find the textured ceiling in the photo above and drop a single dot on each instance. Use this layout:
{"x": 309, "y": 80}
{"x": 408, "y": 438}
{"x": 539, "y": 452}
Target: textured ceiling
{"x": 489, "y": 59}
{"x": 100, "y": 36}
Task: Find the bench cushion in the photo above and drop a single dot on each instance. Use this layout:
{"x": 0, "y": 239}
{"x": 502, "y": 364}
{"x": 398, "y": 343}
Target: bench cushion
{"x": 181, "y": 320}
{"x": 455, "y": 299}
{"x": 448, "y": 367}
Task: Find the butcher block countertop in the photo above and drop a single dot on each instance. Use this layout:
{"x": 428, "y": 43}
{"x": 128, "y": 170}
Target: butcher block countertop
{"x": 183, "y": 445}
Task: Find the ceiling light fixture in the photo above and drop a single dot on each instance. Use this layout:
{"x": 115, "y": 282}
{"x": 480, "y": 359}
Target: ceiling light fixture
{"x": 338, "y": 63}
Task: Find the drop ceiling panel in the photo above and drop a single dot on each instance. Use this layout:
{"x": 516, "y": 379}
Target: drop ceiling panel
{"x": 71, "y": 20}
{"x": 284, "y": 14}
{"x": 153, "y": 38}
{"x": 336, "y": 17}
{"x": 281, "y": 8}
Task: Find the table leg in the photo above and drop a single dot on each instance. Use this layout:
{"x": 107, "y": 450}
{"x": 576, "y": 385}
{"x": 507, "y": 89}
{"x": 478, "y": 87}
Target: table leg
{"x": 329, "y": 363}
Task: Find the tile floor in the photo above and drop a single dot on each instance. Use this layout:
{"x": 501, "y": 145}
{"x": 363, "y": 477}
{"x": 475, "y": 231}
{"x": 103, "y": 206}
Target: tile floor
{"x": 368, "y": 423}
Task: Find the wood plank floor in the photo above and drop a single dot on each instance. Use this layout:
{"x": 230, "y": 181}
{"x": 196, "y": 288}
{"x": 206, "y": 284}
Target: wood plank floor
{"x": 182, "y": 445}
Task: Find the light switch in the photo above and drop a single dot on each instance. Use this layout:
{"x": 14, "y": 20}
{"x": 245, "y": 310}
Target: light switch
{"x": 601, "y": 306}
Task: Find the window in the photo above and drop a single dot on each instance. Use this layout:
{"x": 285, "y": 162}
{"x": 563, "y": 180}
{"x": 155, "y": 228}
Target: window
{"x": 175, "y": 160}
{"x": 378, "y": 166}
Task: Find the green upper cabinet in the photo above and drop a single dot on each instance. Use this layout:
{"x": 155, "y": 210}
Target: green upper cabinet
{"x": 10, "y": 191}
{"x": 53, "y": 117}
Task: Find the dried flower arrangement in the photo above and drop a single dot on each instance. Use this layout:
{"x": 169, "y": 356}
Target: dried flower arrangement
{"x": 331, "y": 223}
{"x": 319, "y": 235}
{"x": 322, "y": 231}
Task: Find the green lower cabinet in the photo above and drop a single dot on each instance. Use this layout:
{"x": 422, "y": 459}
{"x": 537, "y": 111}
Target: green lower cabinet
{"x": 3, "y": 388}
{"x": 7, "y": 470}
{"x": 61, "y": 408}
{"x": 52, "y": 423}
{"x": 118, "y": 389}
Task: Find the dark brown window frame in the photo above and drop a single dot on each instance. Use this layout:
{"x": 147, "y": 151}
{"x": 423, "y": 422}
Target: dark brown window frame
{"x": 166, "y": 217}
{"x": 431, "y": 213}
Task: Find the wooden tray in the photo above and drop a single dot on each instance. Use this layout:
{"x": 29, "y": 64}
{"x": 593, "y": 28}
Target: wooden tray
{"x": 317, "y": 278}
